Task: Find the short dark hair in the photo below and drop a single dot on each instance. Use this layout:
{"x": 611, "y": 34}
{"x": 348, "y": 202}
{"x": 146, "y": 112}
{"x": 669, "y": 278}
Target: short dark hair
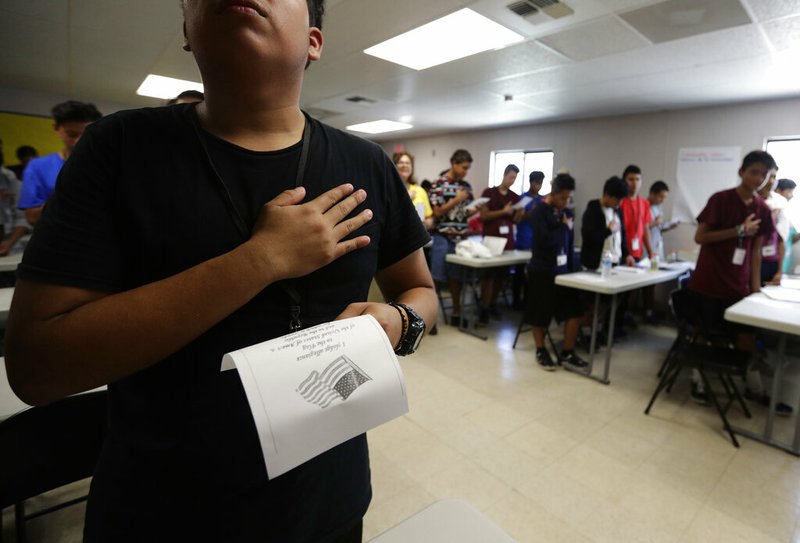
{"x": 658, "y": 187}
{"x": 632, "y": 168}
{"x": 615, "y": 187}
{"x": 25, "y": 151}
{"x": 316, "y": 9}
{"x": 759, "y": 157}
{"x": 197, "y": 95}
{"x": 73, "y": 111}
{"x": 536, "y": 177}
{"x": 461, "y": 155}
{"x": 510, "y": 168}
{"x": 785, "y": 184}
{"x": 562, "y": 182}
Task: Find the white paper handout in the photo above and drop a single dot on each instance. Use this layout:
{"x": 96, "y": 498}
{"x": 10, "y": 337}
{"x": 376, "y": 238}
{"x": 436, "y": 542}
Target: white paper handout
{"x": 782, "y": 294}
{"x": 525, "y": 200}
{"x": 314, "y": 389}
{"x": 476, "y": 202}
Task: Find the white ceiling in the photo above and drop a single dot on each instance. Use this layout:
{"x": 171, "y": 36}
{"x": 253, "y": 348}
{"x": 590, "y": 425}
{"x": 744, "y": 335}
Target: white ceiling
{"x": 609, "y": 57}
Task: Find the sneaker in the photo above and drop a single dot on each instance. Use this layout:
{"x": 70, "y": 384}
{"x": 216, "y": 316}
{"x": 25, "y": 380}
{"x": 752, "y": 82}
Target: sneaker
{"x": 763, "y": 399}
{"x": 574, "y": 362}
{"x": 699, "y": 394}
{"x": 545, "y": 360}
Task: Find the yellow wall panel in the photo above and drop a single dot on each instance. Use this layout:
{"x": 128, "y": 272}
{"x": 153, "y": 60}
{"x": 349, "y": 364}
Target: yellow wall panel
{"x": 16, "y": 130}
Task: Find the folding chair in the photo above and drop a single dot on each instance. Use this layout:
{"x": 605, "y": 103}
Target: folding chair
{"x": 698, "y": 347}
{"x": 43, "y": 448}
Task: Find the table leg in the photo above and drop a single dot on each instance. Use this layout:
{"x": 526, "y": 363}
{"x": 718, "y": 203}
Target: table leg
{"x": 776, "y": 383}
{"x": 461, "y": 328}
{"x": 593, "y": 341}
{"x": 610, "y": 339}
{"x": 766, "y": 437}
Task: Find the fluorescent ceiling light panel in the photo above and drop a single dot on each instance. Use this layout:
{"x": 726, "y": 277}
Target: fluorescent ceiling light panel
{"x": 455, "y": 36}
{"x": 379, "y": 127}
{"x": 158, "y": 86}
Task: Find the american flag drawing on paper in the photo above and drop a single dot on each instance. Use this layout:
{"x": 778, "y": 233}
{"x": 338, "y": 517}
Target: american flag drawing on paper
{"x": 338, "y": 381}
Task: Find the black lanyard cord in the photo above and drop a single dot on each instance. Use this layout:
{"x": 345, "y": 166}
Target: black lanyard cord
{"x": 294, "y": 296}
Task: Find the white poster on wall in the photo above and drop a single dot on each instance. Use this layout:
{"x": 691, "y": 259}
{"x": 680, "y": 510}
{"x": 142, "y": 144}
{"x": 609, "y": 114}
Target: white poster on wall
{"x": 702, "y": 171}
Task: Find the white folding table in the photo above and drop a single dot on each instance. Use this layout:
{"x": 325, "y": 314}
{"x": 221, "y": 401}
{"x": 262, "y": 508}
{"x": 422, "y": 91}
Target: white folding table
{"x": 471, "y": 264}
{"x": 760, "y": 311}
{"x": 621, "y": 280}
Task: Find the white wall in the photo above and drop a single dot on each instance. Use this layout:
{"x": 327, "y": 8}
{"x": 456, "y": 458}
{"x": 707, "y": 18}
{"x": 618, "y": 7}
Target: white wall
{"x": 595, "y": 149}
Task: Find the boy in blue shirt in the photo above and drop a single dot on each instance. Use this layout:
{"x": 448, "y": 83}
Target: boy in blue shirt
{"x": 553, "y": 254}
{"x": 39, "y": 180}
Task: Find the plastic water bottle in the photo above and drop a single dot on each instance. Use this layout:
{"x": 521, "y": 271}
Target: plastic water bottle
{"x": 605, "y": 265}
{"x": 655, "y": 261}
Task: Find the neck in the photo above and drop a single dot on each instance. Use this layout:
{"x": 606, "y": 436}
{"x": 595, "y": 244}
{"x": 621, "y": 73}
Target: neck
{"x": 745, "y": 193}
{"x": 452, "y": 176}
{"x": 260, "y": 120}
{"x": 65, "y": 153}
{"x": 503, "y": 189}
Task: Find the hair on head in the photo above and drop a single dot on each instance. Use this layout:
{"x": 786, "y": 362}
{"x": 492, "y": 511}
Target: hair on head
{"x": 658, "y": 187}
{"x": 73, "y": 111}
{"x": 562, "y": 182}
{"x": 615, "y": 187}
{"x": 759, "y": 157}
{"x": 632, "y": 168}
{"x": 461, "y": 155}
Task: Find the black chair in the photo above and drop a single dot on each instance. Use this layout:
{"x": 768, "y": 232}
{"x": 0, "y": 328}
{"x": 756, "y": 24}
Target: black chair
{"x": 705, "y": 349}
{"x": 44, "y": 448}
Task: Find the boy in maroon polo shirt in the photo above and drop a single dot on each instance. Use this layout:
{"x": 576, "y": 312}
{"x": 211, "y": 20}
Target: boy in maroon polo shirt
{"x": 499, "y": 217}
{"x": 731, "y": 230}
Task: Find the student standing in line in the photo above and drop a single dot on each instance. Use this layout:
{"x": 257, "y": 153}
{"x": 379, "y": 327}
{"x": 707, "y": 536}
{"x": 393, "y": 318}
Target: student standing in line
{"x": 730, "y": 231}
{"x": 603, "y": 227}
{"x": 636, "y": 213}
{"x": 450, "y": 195}
{"x": 553, "y": 254}
{"x": 524, "y": 239}
{"x": 657, "y": 226}
{"x": 25, "y": 153}
{"x": 499, "y": 217}
{"x": 12, "y": 222}
{"x": 786, "y": 188}
{"x": 773, "y": 251}
{"x": 249, "y": 219}
{"x": 70, "y": 119}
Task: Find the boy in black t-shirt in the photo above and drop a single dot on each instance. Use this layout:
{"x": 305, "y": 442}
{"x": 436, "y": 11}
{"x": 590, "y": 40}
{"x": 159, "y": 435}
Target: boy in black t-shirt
{"x": 142, "y": 275}
{"x": 553, "y": 254}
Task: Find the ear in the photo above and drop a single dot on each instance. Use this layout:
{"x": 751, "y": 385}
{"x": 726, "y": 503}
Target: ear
{"x": 186, "y": 46}
{"x": 314, "y": 44}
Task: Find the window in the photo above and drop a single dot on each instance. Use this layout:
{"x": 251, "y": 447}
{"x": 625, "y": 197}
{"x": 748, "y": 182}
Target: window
{"x": 527, "y": 162}
{"x": 786, "y": 152}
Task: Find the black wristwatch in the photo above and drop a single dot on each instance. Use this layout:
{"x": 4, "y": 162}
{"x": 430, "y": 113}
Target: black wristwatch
{"x": 413, "y": 329}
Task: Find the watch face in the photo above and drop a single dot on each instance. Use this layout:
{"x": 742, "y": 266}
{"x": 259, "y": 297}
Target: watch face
{"x": 418, "y": 340}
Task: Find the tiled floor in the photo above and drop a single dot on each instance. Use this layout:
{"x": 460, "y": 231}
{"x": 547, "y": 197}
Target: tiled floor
{"x": 553, "y": 457}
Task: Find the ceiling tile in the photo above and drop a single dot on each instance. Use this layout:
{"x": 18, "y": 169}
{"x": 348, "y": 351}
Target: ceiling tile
{"x": 783, "y": 33}
{"x": 518, "y": 59}
{"x": 765, "y": 10}
{"x": 623, "y": 5}
{"x": 676, "y": 19}
{"x": 598, "y": 38}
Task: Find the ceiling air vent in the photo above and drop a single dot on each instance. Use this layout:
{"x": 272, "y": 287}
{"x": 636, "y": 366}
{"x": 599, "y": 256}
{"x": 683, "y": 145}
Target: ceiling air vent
{"x": 523, "y": 9}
